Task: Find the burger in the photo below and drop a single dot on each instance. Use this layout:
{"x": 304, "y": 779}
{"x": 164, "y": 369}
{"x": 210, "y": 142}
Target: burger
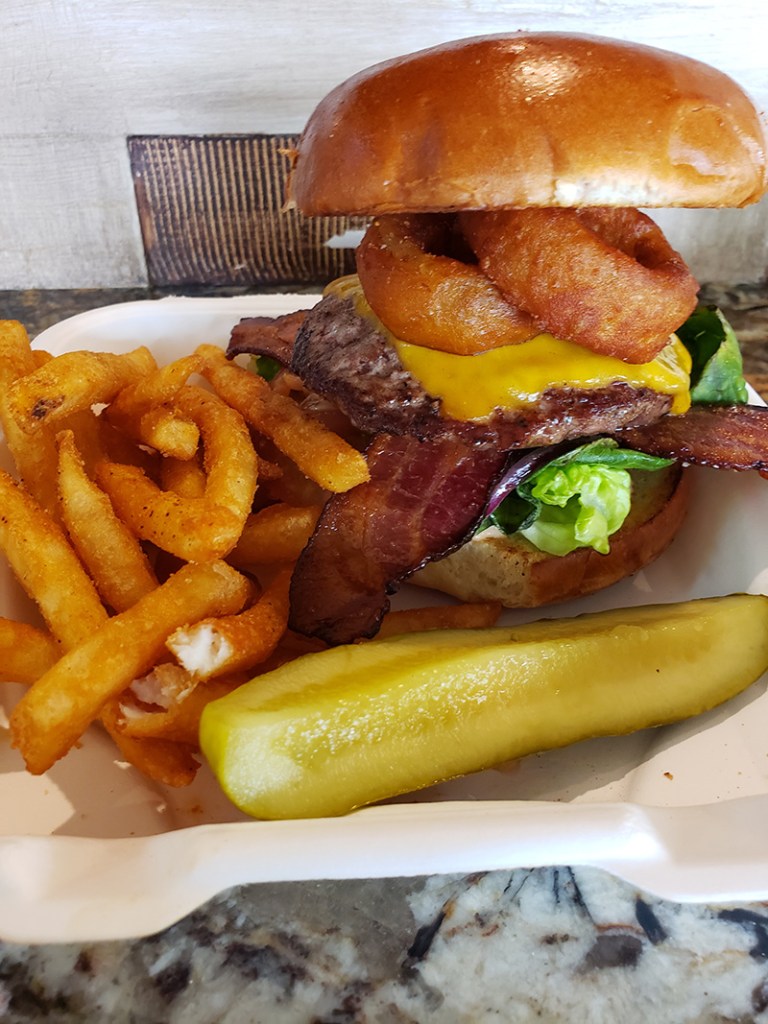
{"x": 521, "y": 346}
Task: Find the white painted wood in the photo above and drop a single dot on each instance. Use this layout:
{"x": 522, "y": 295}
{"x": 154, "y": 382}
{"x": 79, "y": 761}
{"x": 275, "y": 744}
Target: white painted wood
{"x": 77, "y": 76}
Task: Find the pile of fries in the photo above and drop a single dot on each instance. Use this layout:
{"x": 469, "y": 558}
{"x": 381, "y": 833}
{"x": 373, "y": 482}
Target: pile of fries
{"x": 155, "y": 521}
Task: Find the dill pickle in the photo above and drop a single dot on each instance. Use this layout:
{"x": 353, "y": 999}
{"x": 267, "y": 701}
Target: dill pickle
{"x": 346, "y": 727}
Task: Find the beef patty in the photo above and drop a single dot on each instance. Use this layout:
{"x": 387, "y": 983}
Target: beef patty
{"x": 344, "y": 357}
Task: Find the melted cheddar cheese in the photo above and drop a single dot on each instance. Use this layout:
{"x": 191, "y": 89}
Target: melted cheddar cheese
{"x": 514, "y": 376}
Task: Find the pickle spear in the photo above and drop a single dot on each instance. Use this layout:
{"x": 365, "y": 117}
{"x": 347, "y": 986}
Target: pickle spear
{"x": 349, "y": 726}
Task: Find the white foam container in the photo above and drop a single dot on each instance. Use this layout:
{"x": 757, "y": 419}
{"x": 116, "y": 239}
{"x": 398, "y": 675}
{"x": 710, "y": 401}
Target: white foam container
{"x": 92, "y": 850}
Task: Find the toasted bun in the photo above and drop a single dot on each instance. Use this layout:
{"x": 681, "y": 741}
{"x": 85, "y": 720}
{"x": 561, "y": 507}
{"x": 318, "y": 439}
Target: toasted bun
{"x": 492, "y": 567}
{"x": 531, "y": 119}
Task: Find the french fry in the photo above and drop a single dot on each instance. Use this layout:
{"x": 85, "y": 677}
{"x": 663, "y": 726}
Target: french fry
{"x": 166, "y": 761}
{"x": 213, "y": 646}
{"x": 145, "y": 412}
{"x": 108, "y": 549}
{"x": 186, "y": 477}
{"x": 290, "y": 487}
{"x": 86, "y": 427}
{"x": 269, "y": 471}
{"x": 160, "y": 428}
{"x": 47, "y": 567}
{"x": 174, "y": 464}
{"x": 162, "y": 385}
{"x": 96, "y": 440}
{"x": 116, "y": 447}
{"x": 73, "y": 381}
{"x": 16, "y": 356}
{"x": 164, "y": 686}
{"x": 321, "y": 455}
{"x": 229, "y": 458}
{"x": 195, "y": 529}
{"x": 34, "y": 457}
{"x": 59, "y": 707}
{"x": 25, "y": 652}
{"x": 40, "y": 357}
{"x": 277, "y": 533}
{"x": 179, "y": 722}
{"x": 480, "y": 615}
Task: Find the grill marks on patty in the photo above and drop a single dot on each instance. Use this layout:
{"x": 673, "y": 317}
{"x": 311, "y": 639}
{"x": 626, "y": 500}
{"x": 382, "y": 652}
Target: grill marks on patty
{"x": 342, "y": 356}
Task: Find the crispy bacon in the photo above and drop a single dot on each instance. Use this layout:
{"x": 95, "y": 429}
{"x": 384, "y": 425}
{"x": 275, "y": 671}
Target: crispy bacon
{"x": 723, "y": 437}
{"x": 266, "y": 336}
{"x": 423, "y": 500}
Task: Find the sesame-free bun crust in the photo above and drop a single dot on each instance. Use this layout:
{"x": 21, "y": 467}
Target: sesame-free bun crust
{"x": 492, "y": 567}
{"x": 531, "y": 119}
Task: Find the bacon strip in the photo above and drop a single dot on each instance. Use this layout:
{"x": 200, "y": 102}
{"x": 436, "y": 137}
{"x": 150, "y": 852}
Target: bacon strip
{"x": 423, "y": 500}
{"x": 723, "y": 437}
{"x": 266, "y": 336}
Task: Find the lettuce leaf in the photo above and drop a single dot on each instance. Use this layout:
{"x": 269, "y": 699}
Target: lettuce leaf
{"x": 579, "y": 505}
{"x": 581, "y": 498}
{"x": 717, "y": 372}
{"x": 266, "y": 367}
{"x": 578, "y": 500}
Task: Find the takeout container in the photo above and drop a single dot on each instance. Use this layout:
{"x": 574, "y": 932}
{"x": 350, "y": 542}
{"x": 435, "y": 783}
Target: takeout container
{"x": 92, "y": 850}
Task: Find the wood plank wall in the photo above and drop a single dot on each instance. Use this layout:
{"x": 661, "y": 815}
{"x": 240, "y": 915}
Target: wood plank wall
{"x": 211, "y": 209}
{"x": 81, "y": 76}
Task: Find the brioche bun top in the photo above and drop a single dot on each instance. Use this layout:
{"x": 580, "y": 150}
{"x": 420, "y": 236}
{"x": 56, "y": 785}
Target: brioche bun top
{"x": 530, "y": 119}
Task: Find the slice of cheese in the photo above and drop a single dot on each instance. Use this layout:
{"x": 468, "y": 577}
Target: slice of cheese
{"x": 471, "y": 387}
{"x": 515, "y": 376}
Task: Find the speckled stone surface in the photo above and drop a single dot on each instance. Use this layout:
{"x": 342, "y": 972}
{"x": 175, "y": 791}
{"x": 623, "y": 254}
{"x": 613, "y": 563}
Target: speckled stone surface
{"x": 553, "y": 944}
{"x": 546, "y": 945}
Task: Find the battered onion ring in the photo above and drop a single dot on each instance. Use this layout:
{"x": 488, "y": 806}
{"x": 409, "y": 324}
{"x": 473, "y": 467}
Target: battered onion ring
{"x": 604, "y": 278}
{"x": 431, "y": 299}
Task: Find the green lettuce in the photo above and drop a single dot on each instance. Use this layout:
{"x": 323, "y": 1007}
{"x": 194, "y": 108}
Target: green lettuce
{"x": 578, "y": 500}
{"x": 266, "y": 367}
{"x": 717, "y": 371}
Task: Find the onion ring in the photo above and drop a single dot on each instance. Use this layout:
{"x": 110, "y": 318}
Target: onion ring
{"x": 428, "y": 298}
{"x": 604, "y": 278}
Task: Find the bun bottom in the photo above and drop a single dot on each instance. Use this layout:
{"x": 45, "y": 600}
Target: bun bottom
{"x": 494, "y": 567}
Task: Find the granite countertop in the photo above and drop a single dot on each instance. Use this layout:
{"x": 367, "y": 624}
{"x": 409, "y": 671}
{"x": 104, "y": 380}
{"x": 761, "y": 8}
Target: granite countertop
{"x": 549, "y": 944}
